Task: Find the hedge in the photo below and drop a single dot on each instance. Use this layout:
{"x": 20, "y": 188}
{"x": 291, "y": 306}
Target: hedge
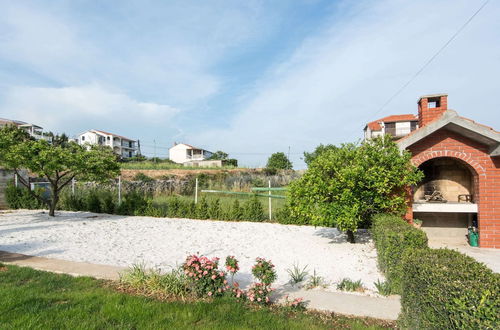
{"x": 445, "y": 289}
{"x": 393, "y": 236}
{"x": 440, "y": 289}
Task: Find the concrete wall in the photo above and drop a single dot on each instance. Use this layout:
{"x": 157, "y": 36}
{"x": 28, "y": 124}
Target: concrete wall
{"x": 445, "y": 227}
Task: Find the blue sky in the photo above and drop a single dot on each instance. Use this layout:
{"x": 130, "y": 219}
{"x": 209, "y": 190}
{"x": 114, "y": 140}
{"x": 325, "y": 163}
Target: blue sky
{"x": 247, "y": 77}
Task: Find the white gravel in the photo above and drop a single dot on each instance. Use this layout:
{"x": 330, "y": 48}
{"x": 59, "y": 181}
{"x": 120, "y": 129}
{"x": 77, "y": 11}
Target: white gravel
{"x": 163, "y": 243}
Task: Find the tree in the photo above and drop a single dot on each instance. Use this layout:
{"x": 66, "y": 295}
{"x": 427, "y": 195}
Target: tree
{"x": 59, "y": 164}
{"x": 310, "y": 156}
{"x": 279, "y": 161}
{"x": 219, "y": 155}
{"x": 345, "y": 186}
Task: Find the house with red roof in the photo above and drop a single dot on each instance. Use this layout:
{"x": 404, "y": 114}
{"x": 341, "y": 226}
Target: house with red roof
{"x": 121, "y": 145}
{"x": 397, "y": 126}
{"x": 461, "y": 163}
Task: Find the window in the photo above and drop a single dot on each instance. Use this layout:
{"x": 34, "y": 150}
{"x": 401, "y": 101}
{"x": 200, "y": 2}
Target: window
{"x": 83, "y": 138}
{"x": 414, "y": 125}
{"x": 108, "y": 138}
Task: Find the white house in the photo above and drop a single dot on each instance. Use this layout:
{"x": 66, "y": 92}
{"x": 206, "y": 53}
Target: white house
{"x": 33, "y": 130}
{"x": 183, "y": 153}
{"x": 397, "y": 126}
{"x": 121, "y": 145}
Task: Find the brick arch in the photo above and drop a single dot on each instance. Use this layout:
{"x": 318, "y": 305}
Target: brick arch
{"x": 464, "y": 157}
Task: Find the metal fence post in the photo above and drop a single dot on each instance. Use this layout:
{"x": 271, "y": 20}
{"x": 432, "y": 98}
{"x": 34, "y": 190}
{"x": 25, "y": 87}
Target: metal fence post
{"x": 15, "y": 180}
{"x": 73, "y": 186}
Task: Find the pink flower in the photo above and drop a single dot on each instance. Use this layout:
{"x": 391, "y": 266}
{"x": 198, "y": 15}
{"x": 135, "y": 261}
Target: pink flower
{"x": 258, "y": 299}
{"x": 214, "y": 277}
{"x": 205, "y": 273}
{"x": 210, "y": 294}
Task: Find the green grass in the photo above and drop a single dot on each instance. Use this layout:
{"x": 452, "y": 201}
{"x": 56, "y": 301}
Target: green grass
{"x": 31, "y": 299}
{"x": 227, "y": 200}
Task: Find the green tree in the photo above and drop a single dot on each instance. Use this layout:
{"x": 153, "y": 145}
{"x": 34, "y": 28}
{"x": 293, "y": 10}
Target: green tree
{"x": 310, "y": 156}
{"x": 59, "y": 164}
{"x": 279, "y": 161}
{"x": 345, "y": 186}
{"x": 219, "y": 155}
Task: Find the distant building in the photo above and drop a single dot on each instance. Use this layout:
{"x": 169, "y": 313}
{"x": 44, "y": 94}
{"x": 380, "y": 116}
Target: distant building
{"x": 182, "y": 153}
{"x": 397, "y": 126}
{"x": 122, "y": 146}
{"x": 33, "y": 130}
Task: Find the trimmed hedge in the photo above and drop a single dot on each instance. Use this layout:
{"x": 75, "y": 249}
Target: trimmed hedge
{"x": 393, "y": 236}
{"x": 445, "y": 289}
{"x": 440, "y": 289}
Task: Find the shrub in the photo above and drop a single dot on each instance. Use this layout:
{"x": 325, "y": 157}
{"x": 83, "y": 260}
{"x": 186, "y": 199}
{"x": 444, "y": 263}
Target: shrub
{"x": 236, "y": 211}
{"x": 349, "y": 285}
{"x": 284, "y": 216}
{"x": 174, "y": 207}
{"x": 253, "y": 210}
{"x": 204, "y": 276}
{"x": 296, "y": 304}
{"x": 214, "y": 210}
{"x": 108, "y": 202}
{"x": 260, "y": 293}
{"x": 444, "y": 289}
{"x": 143, "y": 177}
{"x": 133, "y": 203}
{"x": 393, "y": 236}
{"x": 202, "y": 209}
{"x": 20, "y": 198}
{"x": 92, "y": 202}
{"x": 72, "y": 202}
{"x": 264, "y": 271}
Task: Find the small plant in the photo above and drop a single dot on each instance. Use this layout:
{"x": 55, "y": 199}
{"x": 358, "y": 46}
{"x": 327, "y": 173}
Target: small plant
{"x": 314, "y": 281}
{"x": 260, "y": 293}
{"x": 383, "y": 288}
{"x": 297, "y": 274}
{"x": 253, "y": 210}
{"x": 349, "y": 285}
{"x": 202, "y": 209}
{"x": 296, "y": 304}
{"x": 205, "y": 277}
{"x": 264, "y": 271}
{"x": 236, "y": 211}
{"x": 135, "y": 277}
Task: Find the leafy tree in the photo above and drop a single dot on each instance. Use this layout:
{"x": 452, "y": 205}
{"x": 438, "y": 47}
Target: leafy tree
{"x": 59, "y": 164}
{"x": 310, "y": 156}
{"x": 219, "y": 155}
{"x": 279, "y": 161}
{"x": 345, "y": 186}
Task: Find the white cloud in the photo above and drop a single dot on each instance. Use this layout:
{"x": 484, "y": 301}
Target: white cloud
{"x": 335, "y": 82}
{"x": 78, "y": 108}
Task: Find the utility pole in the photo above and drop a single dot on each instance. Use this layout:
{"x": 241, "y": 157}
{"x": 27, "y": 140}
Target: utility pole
{"x": 288, "y": 156}
{"x": 154, "y": 142}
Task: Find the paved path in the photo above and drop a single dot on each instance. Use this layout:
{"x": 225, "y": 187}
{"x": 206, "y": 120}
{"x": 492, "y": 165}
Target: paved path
{"x": 341, "y": 303}
{"x": 62, "y": 266}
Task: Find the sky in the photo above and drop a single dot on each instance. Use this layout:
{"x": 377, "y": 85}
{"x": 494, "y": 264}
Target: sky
{"x": 247, "y": 77}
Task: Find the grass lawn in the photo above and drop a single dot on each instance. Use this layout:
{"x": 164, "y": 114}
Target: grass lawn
{"x": 31, "y": 299}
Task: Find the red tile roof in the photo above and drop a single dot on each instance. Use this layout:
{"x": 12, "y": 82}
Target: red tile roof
{"x": 375, "y": 125}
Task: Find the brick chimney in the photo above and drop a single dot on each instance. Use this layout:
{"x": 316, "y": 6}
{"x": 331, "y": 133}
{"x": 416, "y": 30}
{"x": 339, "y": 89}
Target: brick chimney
{"x": 431, "y": 107}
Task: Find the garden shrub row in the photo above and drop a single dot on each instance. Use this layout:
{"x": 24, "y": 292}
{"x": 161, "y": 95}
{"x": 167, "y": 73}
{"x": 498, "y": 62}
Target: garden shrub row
{"x": 393, "y": 236}
{"x": 138, "y": 203}
{"x": 440, "y": 288}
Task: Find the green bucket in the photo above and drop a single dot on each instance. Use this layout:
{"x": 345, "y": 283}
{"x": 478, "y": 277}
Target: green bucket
{"x": 473, "y": 237}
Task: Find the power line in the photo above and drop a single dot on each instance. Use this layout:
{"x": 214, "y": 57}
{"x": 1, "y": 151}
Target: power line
{"x": 426, "y": 64}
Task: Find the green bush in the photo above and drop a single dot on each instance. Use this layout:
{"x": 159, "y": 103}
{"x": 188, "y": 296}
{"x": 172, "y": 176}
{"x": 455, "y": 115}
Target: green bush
{"x": 253, "y": 210}
{"x": 444, "y": 289}
{"x": 72, "y": 202}
{"x": 21, "y": 198}
{"x": 393, "y": 236}
{"x": 143, "y": 177}
{"x": 92, "y": 201}
{"x": 202, "y": 209}
{"x": 236, "y": 211}
{"x": 214, "y": 210}
{"x": 133, "y": 203}
{"x": 284, "y": 215}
